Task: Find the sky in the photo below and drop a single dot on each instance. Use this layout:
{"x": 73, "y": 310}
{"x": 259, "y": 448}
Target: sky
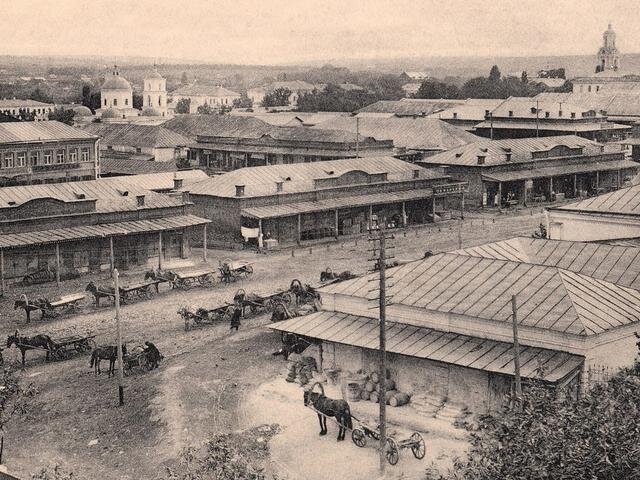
{"x": 285, "y": 32}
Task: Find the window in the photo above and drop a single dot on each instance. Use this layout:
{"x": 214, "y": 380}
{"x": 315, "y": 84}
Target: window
{"x": 85, "y": 154}
{"x": 21, "y": 159}
{"x": 60, "y": 156}
{"x": 48, "y": 155}
{"x": 115, "y": 102}
{"x": 8, "y": 160}
{"x": 149, "y": 100}
{"x": 73, "y": 155}
{"x": 126, "y": 101}
{"x": 159, "y": 101}
{"x": 589, "y": 88}
{"x": 105, "y": 102}
{"x": 34, "y": 157}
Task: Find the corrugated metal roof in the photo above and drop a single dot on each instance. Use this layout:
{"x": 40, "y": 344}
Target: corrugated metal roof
{"x": 299, "y": 177}
{"x": 422, "y": 342}
{"x": 15, "y": 240}
{"x": 472, "y": 109}
{"x": 285, "y": 210}
{"x": 559, "y": 170}
{"x": 135, "y": 135}
{"x": 618, "y": 264}
{"x": 41, "y": 131}
{"x": 495, "y": 151}
{"x": 553, "y": 126}
{"x": 410, "y": 106}
{"x": 526, "y": 107}
{"x": 125, "y": 165}
{"x": 614, "y": 103}
{"x": 624, "y": 201}
{"x": 231, "y": 126}
{"x": 416, "y": 133}
{"x": 21, "y": 103}
{"x": 549, "y": 298}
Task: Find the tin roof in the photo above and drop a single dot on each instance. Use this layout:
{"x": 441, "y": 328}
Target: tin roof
{"x": 136, "y": 135}
{"x": 132, "y": 164}
{"x": 12, "y": 132}
{"x": 410, "y": 106}
{"x": 612, "y": 263}
{"x": 39, "y": 237}
{"x": 22, "y": 103}
{"x": 422, "y": 342}
{"x": 231, "y": 126}
{"x": 299, "y": 177}
{"x": 556, "y": 170}
{"x": 554, "y": 126}
{"x": 624, "y": 201}
{"x": 550, "y": 298}
{"x": 416, "y": 133}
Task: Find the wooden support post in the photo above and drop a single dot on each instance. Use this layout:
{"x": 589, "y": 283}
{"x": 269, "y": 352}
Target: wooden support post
{"x": 575, "y": 185}
{"x": 204, "y": 243}
{"x": 550, "y": 189}
{"x": 58, "y": 263}
{"x": 404, "y": 214}
{"x": 336, "y": 222}
{"x": 112, "y": 258}
{"x": 433, "y": 209}
{"x": 2, "y": 286}
{"x": 260, "y": 237}
{"x": 159, "y": 250}
{"x": 320, "y": 356}
{"x": 619, "y": 179}
{"x": 499, "y": 194}
{"x": 462, "y": 205}
{"x": 370, "y": 217}
{"x": 382, "y": 261}
{"x": 116, "y": 285}
{"x": 597, "y": 179}
{"x": 299, "y": 228}
{"x": 516, "y": 349}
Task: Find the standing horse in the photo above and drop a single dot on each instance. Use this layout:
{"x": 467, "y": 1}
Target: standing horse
{"x": 39, "y": 341}
{"x": 107, "y": 352}
{"x": 37, "y": 304}
{"x": 100, "y": 292}
{"x": 328, "y": 407}
{"x": 161, "y": 276}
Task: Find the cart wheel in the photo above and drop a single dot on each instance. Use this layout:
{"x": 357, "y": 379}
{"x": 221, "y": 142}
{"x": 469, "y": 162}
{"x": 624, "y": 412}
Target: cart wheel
{"x": 392, "y": 453}
{"x": 418, "y": 447}
{"x": 81, "y": 347}
{"x": 149, "y": 292}
{"x": 287, "y": 298}
{"x": 186, "y": 285}
{"x": 358, "y": 437}
{"x": 249, "y": 269}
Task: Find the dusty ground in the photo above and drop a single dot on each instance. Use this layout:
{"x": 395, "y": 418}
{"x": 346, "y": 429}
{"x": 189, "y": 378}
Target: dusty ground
{"x": 207, "y": 375}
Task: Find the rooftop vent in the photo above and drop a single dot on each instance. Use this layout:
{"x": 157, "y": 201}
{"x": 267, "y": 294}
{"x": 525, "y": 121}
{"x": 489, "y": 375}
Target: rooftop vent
{"x": 279, "y": 186}
{"x": 140, "y": 200}
{"x": 11, "y": 202}
{"x": 546, "y": 114}
{"x": 487, "y": 113}
{"x": 124, "y": 193}
{"x": 458, "y": 155}
{"x": 573, "y": 114}
{"x": 329, "y": 172}
{"x": 239, "y": 190}
{"x": 177, "y": 183}
{"x": 484, "y": 149}
{"x": 80, "y": 196}
{"x": 559, "y": 113}
{"x": 416, "y": 173}
{"x": 455, "y": 115}
{"x": 511, "y": 113}
{"x": 534, "y": 110}
{"x": 481, "y": 159}
{"x": 287, "y": 179}
{"x": 508, "y": 155}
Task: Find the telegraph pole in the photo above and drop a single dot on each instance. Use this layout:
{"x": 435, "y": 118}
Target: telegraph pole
{"x": 516, "y": 350}
{"x": 119, "y": 329}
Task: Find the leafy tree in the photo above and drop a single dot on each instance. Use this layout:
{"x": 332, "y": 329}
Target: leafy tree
{"x": 39, "y": 96}
{"x": 494, "y": 74}
{"x": 205, "y": 109}
{"x": 386, "y": 87}
{"x": 277, "y": 98}
{"x": 524, "y": 78}
{"x": 435, "y": 89}
{"x": 184, "y": 80}
{"x": 334, "y": 99}
{"x": 14, "y": 397}
{"x": 243, "y": 102}
{"x": 137, "y": 101}
{"x": 183, "y": 105}
{"x": 63, "y": 115}
{"x": 90, "y": 98}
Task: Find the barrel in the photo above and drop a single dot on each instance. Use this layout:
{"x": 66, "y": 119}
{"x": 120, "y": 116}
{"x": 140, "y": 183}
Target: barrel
{"x": 364, "y": 395}
{"x": 399, "y": 399}
{"x": 375, "y": 377}
{"x": 370, "y": 386}
{"x": 353, "y": 391}
{"x": 389, "y": 395}
{"x": 374, "y": 397}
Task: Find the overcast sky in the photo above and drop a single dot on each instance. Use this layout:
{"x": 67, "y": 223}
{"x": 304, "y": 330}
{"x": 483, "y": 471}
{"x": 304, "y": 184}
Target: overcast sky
{"x": 278, "y": 31}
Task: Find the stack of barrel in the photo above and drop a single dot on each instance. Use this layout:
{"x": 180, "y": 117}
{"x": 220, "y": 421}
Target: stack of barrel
{"x": 302, "y": 369}
{"x": 371, "y": 391}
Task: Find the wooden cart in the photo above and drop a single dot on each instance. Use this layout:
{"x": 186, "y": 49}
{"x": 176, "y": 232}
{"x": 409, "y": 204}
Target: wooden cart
{"x": 231, "y": 271}
{"x": 393, "y": 447}
{"x": 192, "y": 278}
{"x": 135, "y": 360}
{"x": 65, "y": 304}
{"x": 141, "y": 290}
{"x": 65, "y": 347}
{"x": 203, "y": 316}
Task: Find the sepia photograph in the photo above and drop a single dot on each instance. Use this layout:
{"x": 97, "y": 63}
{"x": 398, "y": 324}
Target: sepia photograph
{"x": 320, "y": 240}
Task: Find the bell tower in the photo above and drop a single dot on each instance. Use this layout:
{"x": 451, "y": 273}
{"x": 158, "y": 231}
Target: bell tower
{"x": 608, "y": 55}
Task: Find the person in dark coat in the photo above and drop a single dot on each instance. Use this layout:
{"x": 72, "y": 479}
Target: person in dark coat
{"x": 153, "y": 354}
{"x": 235, "y": 318}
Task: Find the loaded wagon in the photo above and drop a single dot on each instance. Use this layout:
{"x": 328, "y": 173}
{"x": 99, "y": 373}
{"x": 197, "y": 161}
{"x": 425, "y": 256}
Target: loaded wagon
{"x": 65, "y": 304}
{"x": 203, "y": 316}
{"x": 231, "y": 271}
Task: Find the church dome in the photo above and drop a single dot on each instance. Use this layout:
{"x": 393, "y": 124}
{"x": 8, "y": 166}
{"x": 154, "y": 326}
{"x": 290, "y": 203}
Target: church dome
{"x": 116, "y": 82}
{"x": 154, "y": 76}
{"x": 82, "y": 111}
{"x": 111, "y": 113}
{"x": 151, "y": 112}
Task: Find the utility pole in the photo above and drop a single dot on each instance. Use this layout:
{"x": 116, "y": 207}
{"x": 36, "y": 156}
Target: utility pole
{"x": 357, "y": 137}
{"x": 491, "y": 120}
{"x": 516, "y": 350}
{"x": 119, "y": 330}
{"x": 537, "y": 118}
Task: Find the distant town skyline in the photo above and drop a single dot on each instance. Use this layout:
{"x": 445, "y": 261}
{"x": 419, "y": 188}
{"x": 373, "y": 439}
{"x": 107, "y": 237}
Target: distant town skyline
{"x": 285, "y": 32}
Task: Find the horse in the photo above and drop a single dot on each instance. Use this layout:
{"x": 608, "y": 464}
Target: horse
{"x": 31, "y": 343}
{"x": 37, "y": 304}
{"x": 106, "y": 352}
{"x": 161, "y": 276}
{"x": 328, "y": 407}
{"x": 100, "y": 292}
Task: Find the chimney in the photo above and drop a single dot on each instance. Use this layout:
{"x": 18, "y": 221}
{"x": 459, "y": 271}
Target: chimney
{"x": 279, "y": 186}
{"x": 508, "y": 154}
{"x": 416, "y": 173}
{"x": 559, "y": 113}
{"x": 177, "y": 183}
{"x": 185, "y": 197}
{"x": 481, "y": 159}
{"x": 239, "y": 190}
{"x": 140, "y": 200}
{"x": 455, "y": 115}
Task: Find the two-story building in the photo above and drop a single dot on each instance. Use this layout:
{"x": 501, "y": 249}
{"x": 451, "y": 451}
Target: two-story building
{"x": 26, "y": 109}
{"x": 306, "y": 201}
{"x": 46, "y": 152}
{"x": 529, "y": 170}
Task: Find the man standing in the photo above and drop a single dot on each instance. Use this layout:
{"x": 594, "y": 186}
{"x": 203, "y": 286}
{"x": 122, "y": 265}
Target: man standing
{"x": 153, "y": 355}
{"x": 235, "y": 318}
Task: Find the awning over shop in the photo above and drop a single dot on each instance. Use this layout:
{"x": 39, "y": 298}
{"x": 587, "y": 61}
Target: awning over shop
{"x": 558, "y": 170}
{"x": 288, "y": 209}
{"x": 13, "y": 240}
{"x": 422, "y": 342}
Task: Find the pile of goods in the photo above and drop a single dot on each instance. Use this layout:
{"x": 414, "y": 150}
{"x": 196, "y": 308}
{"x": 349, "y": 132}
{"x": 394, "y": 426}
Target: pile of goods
{"x": 371, "y": 390}
{"x": 302, "y": 370}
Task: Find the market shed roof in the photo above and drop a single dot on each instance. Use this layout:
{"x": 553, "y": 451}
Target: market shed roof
{"x": 550, "y": 298}
{"x": 423, "y": 342}
{"x": 132, "y": 164}
{"x": 18, "y": 132}
{"x": 416, "y": 133}
{"x": 410, "y": 106}
{"x": 135, "y": 135}
{"x": 612, "y": 263}
{"x": 231, "y": 126}
{"x": 625, "y": 201}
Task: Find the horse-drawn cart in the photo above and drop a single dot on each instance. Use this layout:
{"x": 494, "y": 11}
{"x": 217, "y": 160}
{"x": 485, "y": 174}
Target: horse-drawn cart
{"x": 192, "y": 278}
{"x": 203, "y": 316}
{"x": 65, "y": 347}
{"x": 65, "y": 304}
{"x": 393, "y": 447}
{"x": 262, "y": 303}
{"x": 231, "y": 271}
{"x": 136, "y": 360}
{"x": 140, "y": 290}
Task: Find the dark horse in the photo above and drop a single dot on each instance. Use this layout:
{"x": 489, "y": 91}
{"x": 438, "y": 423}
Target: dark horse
{"x": 37, "y": 304}
{"x": 100, "y": 292}
{"x": 162, "y": 276}
{"x": 39, "y": 341}
{"x": 106, "y": 352}
{"x": 328, "y": 407}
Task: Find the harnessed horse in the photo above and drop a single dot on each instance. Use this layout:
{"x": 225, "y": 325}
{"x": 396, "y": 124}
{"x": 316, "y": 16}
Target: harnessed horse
{"x": 107, "y": 352}
{"x": 328, "y": 407}
{"x": 36, "y": 342}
